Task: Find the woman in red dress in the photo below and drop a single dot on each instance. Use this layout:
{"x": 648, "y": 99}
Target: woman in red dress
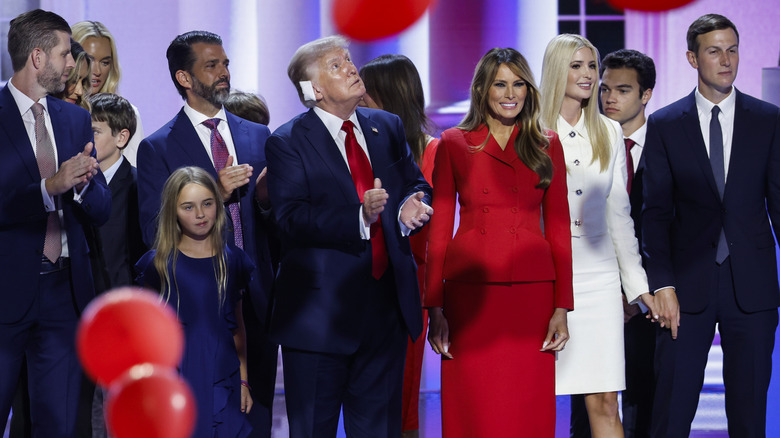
{"x": 498, "y": 291}
{"x": 393, "y": 84}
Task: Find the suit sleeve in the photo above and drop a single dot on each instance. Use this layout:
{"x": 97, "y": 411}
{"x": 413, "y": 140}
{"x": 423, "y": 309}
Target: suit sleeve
{"x": 621, "y": 226}
{"x": 442, "y": 222}
{"x": 773, "y": 189}
{"x": 658, "y": 209}
{"x": 152, "y": 174}
{"x": 557, "y": 228}
{"x": 95, "y": 203}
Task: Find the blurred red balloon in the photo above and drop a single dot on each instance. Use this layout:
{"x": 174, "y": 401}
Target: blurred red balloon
{"x": 373, "y": 19}
{"x": 126, "y": 327}
{"x": 649, "y": 5}
{"x": 150, "y": 402}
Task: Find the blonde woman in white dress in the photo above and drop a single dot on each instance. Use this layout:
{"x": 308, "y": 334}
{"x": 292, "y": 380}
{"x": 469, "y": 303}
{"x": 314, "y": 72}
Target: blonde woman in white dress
{"x": 605, "y": 253}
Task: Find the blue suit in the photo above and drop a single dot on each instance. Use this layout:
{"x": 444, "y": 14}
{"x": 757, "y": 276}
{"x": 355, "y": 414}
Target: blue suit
{"x": 177, "y": 145}
{"x": 27, "y": 296}
{"x": 327, "y": 303}
{"x": 682, "y": 219}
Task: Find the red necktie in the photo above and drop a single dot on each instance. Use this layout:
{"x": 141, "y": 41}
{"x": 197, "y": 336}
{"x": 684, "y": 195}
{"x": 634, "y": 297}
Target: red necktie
{"x": 629, "y": 161}
{"x": 44, "y": 154}
{"x": 363, "y": 177}
{"x": 220, "y": 153}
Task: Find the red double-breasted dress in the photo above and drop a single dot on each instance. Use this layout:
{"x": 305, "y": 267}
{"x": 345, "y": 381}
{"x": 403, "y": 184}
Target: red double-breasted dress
{"x": 498, "y": 280}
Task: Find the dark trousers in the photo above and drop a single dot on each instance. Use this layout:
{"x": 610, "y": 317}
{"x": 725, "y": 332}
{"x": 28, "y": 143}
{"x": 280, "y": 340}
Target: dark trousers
{"x": 747, "y": 340}
{"x": 262, "y": 357}
{"x": 367, "y": 384}
{"x": 45, "y": 336}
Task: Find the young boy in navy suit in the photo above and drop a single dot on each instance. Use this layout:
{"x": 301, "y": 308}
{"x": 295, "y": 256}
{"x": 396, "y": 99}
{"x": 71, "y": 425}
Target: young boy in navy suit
{"x": 113, "y": 124}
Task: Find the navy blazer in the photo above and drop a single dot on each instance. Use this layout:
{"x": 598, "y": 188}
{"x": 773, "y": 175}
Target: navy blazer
{"x": 177, "y": 145}
{"x": 22, "y": 214}
{"x": 321, "y": 280}
{"x": 683, "y": 213}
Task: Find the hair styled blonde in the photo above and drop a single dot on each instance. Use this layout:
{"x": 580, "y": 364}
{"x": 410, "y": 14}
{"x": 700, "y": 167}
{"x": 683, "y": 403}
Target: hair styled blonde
{"x": 85, "y": 29}
{"x": 166, "y": 242}
{"x": 531, "y": 142}
{"x": 555, "y": 75}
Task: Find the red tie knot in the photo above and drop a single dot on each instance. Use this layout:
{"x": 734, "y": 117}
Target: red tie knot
{"x": 211, "y": 123}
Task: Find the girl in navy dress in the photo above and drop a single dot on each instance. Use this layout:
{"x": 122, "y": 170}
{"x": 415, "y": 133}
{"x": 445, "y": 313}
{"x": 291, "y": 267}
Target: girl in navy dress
{"x": 203, "y": 278}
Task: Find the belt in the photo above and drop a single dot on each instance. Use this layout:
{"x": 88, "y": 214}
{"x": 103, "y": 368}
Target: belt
{"x": 47, "y": 267}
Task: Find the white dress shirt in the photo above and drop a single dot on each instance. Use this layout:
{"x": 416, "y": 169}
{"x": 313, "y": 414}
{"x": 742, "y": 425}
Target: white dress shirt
{"x": 726, "y": 118}
{"x": 204, "y": 132}
{"x": 639, "y": 139}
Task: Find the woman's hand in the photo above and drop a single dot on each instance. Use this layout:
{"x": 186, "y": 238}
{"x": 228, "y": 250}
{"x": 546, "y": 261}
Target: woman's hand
{"x": 557, "y": 331}
{"x": 246, "y": 399}
{"x": 439, "y": 332}
{"x": 651, "y": 305}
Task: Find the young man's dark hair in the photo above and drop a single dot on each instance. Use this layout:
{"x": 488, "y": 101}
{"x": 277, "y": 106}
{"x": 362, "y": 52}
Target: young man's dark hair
{"x": 706, "y": 24}
{"x": 181, "y": 56}
{"x": 627, "y": 58}
{"x": 33, "y": 29}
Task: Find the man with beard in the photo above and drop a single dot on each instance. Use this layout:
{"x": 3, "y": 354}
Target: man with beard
{"x": 50, "y": 188}
{"x": 203, "y": 134}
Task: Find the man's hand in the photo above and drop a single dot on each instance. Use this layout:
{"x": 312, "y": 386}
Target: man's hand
{"x": 414, "y": 213}
{"x": 76, "y": 172}
{"x": 374, "y": 202}
{"x": 668, "y": 309}
{"x": 232, "y": 177}
{"x": 261, "y": 189}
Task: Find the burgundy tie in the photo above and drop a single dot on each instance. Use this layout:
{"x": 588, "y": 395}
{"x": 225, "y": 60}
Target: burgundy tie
{"x": 629, "y": 161}
{"x": 363, "y": 177}
{"x": 44, "y": 154}
{"x": 220, "y": 153}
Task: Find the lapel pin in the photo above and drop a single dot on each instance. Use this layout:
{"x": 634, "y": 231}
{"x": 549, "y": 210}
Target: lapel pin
{"x": 376, "y": 131}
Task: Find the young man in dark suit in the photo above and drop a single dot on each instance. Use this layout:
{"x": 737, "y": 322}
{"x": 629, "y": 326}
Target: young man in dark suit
{"x": 202, "y": 134}
{"x": 711, "y": 186}
{"x": 346, "y": 192}
{"x": 51, "y": 188}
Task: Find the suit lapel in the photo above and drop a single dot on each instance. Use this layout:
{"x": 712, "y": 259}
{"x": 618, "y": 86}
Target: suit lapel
{"x": 740, "y": 150}
{"x": 240, "y": 136}
{"x": 61, "y": 132}
{"x": 323, "y": 145}
{"x": 11, "y": 122}
{"x": 695, "y": 141}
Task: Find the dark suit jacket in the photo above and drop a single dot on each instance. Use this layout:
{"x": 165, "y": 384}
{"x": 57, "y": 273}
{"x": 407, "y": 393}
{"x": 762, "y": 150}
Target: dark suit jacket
{"x": 321, "y": 281}
{"x": 22, "y": 214}
{"x": 683, "y": 214}
{"x": 177, "y": 145}
{"x": 121, "y": 239}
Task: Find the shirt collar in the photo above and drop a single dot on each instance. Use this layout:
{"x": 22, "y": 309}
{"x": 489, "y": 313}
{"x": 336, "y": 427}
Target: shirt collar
{"x": 564, "y": 128}
{"x": 333, "y": 123}
{"x": 704, "y": 106}
{"x": 23, "y": 102}
{"x": 639, "y": 135}
{"x": 198, "y": 118}
{"x": 111, "y": 171}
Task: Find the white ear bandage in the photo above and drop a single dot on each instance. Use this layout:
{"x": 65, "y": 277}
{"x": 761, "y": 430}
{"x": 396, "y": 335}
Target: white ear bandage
{"x": 308, "y": 90}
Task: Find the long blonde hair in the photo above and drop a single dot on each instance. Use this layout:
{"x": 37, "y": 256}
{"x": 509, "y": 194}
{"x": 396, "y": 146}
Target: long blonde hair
{"x": 555, "y": 75}
{"x": 168, "y": 236}
{"x": 85, "y": 29}
{"x": 530, "y": 143}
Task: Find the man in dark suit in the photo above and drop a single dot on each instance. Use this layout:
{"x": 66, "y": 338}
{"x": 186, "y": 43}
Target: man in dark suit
{"x": 50, "y": 189}
{"x": 203, "y": 134}
{"x": 712, "y": 161}
{"x": 345, "y": 192}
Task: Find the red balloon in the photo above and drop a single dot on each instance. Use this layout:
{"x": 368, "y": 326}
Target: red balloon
{"x": 649, "y": 5}
{"x": 150, "y": 402}
{"x": 126, "y": 327}
{"x": 373, "y": 19}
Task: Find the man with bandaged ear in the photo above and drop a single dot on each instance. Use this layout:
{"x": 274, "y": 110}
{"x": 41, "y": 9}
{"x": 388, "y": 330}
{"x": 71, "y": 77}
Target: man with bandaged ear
{"x": 346, "y": 194}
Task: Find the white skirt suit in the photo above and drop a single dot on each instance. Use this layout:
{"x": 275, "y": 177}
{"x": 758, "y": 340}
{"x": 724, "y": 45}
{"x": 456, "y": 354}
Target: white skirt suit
{"x": 605, "y": 254}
